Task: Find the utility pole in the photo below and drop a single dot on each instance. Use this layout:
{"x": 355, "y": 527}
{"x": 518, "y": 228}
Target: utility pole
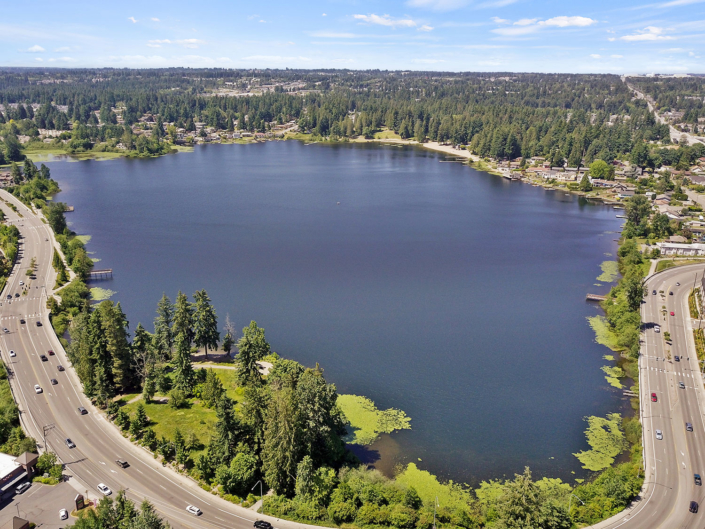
{"x": 261, "y": 497}
{"x": 44, "y": 434}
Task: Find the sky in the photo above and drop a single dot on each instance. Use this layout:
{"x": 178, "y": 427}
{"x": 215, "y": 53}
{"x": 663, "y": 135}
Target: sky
{"x": 581, "y": 36}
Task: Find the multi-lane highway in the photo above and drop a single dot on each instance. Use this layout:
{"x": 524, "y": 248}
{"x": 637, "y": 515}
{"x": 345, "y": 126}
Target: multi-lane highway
{"x": 672, "y": 461}
{"x": 54, "y": 412}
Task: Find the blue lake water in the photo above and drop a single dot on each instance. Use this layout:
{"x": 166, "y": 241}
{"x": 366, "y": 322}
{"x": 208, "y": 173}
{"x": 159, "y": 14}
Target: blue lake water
{"x": 449, "y": 293}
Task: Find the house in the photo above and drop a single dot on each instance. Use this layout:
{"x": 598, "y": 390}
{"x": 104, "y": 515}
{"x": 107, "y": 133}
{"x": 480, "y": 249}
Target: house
{"x": 672, "y": 248}
{"x": 626, "y": 193}
{"x": 677, "y": 239}
{"x": 15, "y": 469}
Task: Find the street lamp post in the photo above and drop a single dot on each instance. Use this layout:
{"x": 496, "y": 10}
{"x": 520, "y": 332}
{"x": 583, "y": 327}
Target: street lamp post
{"x": 261, "y": 497}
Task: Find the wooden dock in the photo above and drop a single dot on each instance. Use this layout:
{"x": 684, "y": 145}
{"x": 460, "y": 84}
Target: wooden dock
{"x": 595, "y": 297}
{"x": 68, "y": 208}
{"x": 106, "y": 273}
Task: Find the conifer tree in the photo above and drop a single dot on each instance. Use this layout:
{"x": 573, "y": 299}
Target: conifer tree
{"x": 183, "y": 370}
{"x": 205, "y": 322}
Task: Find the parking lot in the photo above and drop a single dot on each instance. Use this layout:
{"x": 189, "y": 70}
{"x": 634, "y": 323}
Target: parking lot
{"x": 40, "y": 505}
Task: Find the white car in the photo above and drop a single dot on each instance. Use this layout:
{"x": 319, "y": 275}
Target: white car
{"x": 37, "y": 388}
{"x": 657, "y": 328}
{"x": 102, "y": 487}
{"x": 13, "y": 354}
{"x": 21, "y": 283}
{"x": 659, "y": 435}
{"x": 63, "y": 514}
{"x": 194, "y": 510}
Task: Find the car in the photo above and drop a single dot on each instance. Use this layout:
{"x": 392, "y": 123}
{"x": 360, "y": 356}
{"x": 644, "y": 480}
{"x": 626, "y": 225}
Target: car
{"x": 9, "y": 296}
{"x": 38, "y": 323}
{"x": 654, "y": 398}
{"x": 38, "y": 388}
{"x": 122, "y": 463}
{"x": 22, "y": 488}
{"x": 681, "y": 385}
{"x": 63, "y": 514}
{"x": 688, "y": 427}
{"x": 659, "y": 435}
{"x": 51, "y": 353}
{"x": 17, "y": 294}
{"x": 5, "y": 330}
{"x": 678, "y": 284}
{"x": 13, "y": 354}
{"x": 678, "y": 358}
{"x": 697, "y": 479}
{"x": 194, "y": 510}
{"x": 693, "y": 507}
{"x": 653, "y": 292}
{"x": 70, "y": 443}
{"x": 60, "y": 368}
{"x": 104, "y": 489}
{"x": 261, "y": 524}
{"x": 82, "y": 410}
{"x": 657, "y": 328}
{"x": 44, "y": 358}
{"x": 670, "y": 293}
{"x": 21, "y": 283}
{"x": 54, "y": 382}
{"x": 22, "y": 321}
{"x": 673, "y": 313}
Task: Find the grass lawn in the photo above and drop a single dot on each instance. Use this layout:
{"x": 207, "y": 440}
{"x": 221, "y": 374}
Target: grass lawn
{"x": 387, "y": 135}
{"x": 670, "y": 263}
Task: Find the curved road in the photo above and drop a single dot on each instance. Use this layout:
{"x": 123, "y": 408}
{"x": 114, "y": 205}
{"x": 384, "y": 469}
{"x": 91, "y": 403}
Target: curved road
{"x": 55, "y": 410}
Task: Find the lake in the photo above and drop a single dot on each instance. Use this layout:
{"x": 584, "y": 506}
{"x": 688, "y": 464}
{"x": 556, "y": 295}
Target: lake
{"x": 454, "y": 295}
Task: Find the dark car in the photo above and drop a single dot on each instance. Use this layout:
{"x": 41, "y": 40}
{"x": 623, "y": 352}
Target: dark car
{"x": 654, "y": 292}
{"x": 44, "y": 358}
{"x": 60, "y": 368}
{"x": 261, "y": 524}
{"x": 82, "y": 410}
{"x": 17, "y": 294}
{"x": 688, "y": 427}
{"x": 122, "y": 463}
{"x": 678, "y": 358}
{"x": 22, "y": 321}
{"x": 698, "y": 480}
{"x": 693, "y": 506}
{"x": 654, "y": 398}
{"x": 9, "y": 296}
{"x": 54, "y": 382}
{"x": 670, "y": 293}
{"x": 51, "y": 353}
{"x": 39, "y": 323}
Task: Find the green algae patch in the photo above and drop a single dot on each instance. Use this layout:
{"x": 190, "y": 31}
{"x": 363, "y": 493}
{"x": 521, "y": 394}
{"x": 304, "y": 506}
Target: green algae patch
{"x": 101, "y": 294}
{"x": 603, "y": 333}
{"x": 367, "y": 422}
{"x": 428, "y": 487}
{"x": 610, "y": 272}
{"x": 608, "y": 357}
{"x": 84, "y": 238}
{"x": 606, "y": 440}
{"x": 613, "y": 374}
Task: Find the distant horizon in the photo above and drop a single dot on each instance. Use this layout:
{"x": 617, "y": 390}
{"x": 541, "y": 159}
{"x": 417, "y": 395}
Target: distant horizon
{"x": 449, "y": 35}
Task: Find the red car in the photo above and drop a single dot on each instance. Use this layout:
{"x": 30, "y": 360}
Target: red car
{"x": 51, "y": 353}
{"x": 654, "y": 398}
{"x": 673, "y": 313}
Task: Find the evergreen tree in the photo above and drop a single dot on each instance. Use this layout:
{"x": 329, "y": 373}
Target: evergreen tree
{"x": 143, "y": 356}
{"x": 184, "y": 377}
{"x": 212, "y": 390}
{"x": 205, "y": 322}
{"x": 183, "y": 318}
{"x": 282, "y": 445}
{"x": 227, "y": 432}
{"x": 114, "y": 325}
{"x": 163, "y": 337}
{"x": 252, "y": 347}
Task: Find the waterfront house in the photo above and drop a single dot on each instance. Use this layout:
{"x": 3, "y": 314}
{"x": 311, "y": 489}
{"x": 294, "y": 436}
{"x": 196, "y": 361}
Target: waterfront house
{"x": 672, "y": 248}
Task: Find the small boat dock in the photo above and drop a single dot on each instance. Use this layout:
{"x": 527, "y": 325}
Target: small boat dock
{"x": 106, "y": 273}
{"x": 595, "y": 297}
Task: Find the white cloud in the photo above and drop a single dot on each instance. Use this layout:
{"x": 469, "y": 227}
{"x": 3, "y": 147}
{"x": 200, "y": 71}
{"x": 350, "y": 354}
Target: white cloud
{"x": 428, "y": 61}
{"x": 617, "y": 56}
{"x": 332, "y": 35}
{"x": 252, "y": 17}
{"x": 516, "y": 30}
{"x": 676, "y": 3}
{"x": 38, "y": 59}
{"x": 35, "y": 49}
{"x": 438, "y": 5}
{"x": 190, "y": 43}
{"x": 386, "y": 20}
{"x": 646, "y": 34}
{"x": 595, "y": 56}
{"x": 158, "y": 43}
{"x": 62, "y": 59}
{"x": 62, "y": 48}
{"x": 324, "y": 15}
{"x": 495, "y": 3}
{"x": 564, "y": 22}
{"x": 275, "y": 58}
{"x": 132, "y": 19}
{"x": 262, "y": 21}
{"x": 498, "y": 20}
{"x": 526, "y": 21}
{"x": 155, "y": 19}
{"x": 425, "y": 27}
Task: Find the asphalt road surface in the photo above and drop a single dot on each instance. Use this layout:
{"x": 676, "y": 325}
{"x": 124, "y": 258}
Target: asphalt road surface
{"x": 54, "y": 411}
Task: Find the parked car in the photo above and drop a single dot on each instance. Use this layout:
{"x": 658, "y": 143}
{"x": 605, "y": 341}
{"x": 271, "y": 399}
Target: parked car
{"x": 659, "y": 435}
{"x": 693, "y": 507}
{"x": 688, "y": 427}
{"x": 104, "y": 489}
{"x": 13, "y": 354}
{"x": 22, "y": 488}
{"x": 654, "y": 398}
{"x": 194, "y": 510}
{"x": 697, "y": 479}
{"x": 82, "y": 410}
{"x": 70, "y": 443}
{"x": 63, "y": 514}
{"x": 122, "y": 463}
{"x": 37, "y": 388}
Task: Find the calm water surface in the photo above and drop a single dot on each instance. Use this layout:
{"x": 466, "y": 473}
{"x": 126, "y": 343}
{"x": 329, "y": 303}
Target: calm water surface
{"x": 449, "y": 293}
